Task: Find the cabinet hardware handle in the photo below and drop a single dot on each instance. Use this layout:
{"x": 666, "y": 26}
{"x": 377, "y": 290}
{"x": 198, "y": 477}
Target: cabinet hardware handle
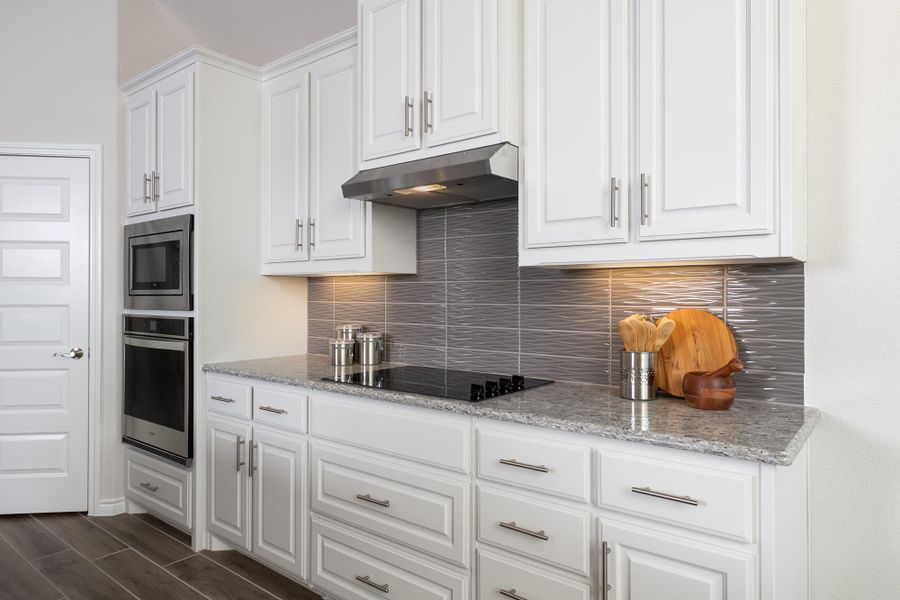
{"x": 604, "y": 575}
{"x": 156, "y": 186}
{"x": 147, "y": 197}
{"x": 407, "y": 116}
{"x": 298, "y": 235}
{"x": 237, "y": 459}
{"x": 368, "y": 581}
{"x": 535, "y": 534}
{"x": 253, "y": 457}
{"x": 312, "y": 233}
{"x": 148, "y": 486}
{"x": 277, "y": 411}
{"x": 368, "y": 498}
{"x": 614, "y": 202}
{"x": 222, "y": 399}
{"x": 514, "y": 463}
{"x": 647, "y": 491}
{"x": 645, "y": 198}
{"x": 427, "y": 112}
{"x": 511, "y": 593}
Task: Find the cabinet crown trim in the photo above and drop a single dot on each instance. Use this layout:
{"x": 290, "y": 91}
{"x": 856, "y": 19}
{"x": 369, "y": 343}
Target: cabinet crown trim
{"x": 316, "y": 51}
{"x": 186, "y": 58}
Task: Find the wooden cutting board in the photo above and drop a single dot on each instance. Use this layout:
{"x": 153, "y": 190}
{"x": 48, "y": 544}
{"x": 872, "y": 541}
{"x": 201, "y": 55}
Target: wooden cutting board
{"x": 701, "y": 342}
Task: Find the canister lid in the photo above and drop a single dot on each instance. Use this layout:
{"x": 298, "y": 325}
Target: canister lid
{"x": 370, "y": 335}
{"x": 340, "y": 343}
{"x": 349, "y": 327}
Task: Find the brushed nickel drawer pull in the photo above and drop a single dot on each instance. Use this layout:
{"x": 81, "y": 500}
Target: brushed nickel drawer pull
{"x": 238, "y": 463}
{"x": 368, "y": 498}
{"x": 511, "y": 593}
{"x": 368, "y": 581}
{"x": 222, "y": 399}
{"x": 535, "y": 534}
{"x": 647, "y": 491}
{"x": 604, "y": 576}
{"x": 277, "y": 411}
{"x": 148, "y": 486}
{"x": 514, "y": 463}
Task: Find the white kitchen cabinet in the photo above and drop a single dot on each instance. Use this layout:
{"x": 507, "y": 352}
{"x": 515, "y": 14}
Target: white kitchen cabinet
{"x": 228, "y": 492}
{"x": 576, "y": 166}
{"x": 309, "y": 151}
{"x": 437, "y": 76}
{"x": 647, "y": 565}
{"x": 278, "y": 472}
{"x": 159, "y": 135}
{"x": 716, "y": 169}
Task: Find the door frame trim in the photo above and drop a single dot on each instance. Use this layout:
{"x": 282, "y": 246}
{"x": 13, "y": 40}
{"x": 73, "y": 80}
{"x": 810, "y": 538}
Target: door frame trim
{"x": 94, "y": 154}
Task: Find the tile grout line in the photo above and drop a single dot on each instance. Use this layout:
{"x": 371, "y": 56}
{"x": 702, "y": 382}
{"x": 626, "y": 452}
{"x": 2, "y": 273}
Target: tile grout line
{"x": 218, "y": 564}
{"x": 29, "y": 563}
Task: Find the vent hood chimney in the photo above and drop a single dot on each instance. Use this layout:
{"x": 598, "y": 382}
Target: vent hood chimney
{"x": 479, "y": 175}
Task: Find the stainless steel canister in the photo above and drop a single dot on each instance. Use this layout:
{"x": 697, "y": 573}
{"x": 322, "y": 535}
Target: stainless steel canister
{"x": 341, "y": 352}
{"x": 638, "y": 371}
{"x": 348, "y": 331}
{"x": 371, "y": 347}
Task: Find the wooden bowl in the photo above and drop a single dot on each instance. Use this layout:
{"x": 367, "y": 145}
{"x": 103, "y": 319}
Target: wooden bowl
{"x": 708, "y": 392}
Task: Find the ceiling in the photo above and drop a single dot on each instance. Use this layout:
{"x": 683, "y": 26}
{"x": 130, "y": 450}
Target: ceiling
{"x": 260, "y": 31}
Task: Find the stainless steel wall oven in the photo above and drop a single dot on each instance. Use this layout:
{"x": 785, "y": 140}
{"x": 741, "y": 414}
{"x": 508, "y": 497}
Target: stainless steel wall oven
{"x": 158, "y": 264}
{"x": 157, "y": 383}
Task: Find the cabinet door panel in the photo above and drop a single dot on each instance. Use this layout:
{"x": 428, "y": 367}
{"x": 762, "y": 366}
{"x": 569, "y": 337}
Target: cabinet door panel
{"x": 279, "y": 500}
{"x": 175, "y": 139}
{"x": 706, "y": 117}
{"x": 461, "y": 54}
{"x": 140, "y": 133}
{"x": 285, "y": 189}
{"x": 646, "y": 565}
{"x": 229, "y": 499}
{"x": 389, "y": 41}
{"x": 339, "y": 223}
{"x": 575, "y": 123}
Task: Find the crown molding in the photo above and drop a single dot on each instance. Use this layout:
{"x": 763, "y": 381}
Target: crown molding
{"x": 321, "y": 49}
{"x": 188, "y": 57}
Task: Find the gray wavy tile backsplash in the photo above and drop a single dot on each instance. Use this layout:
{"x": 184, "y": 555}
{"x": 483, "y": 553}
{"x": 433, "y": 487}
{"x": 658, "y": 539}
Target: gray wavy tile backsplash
{"x": 471, "y": 307}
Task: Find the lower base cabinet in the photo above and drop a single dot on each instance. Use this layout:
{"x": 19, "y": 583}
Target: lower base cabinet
{"x": 504, "y": 578}
{"x": 159, "y": 487}
{"x": 228, "y": 492}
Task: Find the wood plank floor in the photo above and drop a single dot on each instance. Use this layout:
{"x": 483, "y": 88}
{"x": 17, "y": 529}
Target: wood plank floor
{"x": 73, "y": 557}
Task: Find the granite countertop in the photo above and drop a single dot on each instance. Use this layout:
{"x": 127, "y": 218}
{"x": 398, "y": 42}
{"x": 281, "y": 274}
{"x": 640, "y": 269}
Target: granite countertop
{"x": 766, "y": 432}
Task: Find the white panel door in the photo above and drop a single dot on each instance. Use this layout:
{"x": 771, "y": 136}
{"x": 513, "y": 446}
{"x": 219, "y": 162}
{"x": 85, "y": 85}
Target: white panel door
{"x": 229, "y": 493}
{"x": 338, "y": 225}
{"x": 285, "y": 186}
{"x": 44, "y": 310}
{"x": 140, "y": 148}
{"x": 175, "y": 140}
{"x": 461, "y": 56}
{"x": 279, "y": 499}
{"x": 646, "y": 565}
{"x": 575, "y": 182}
{"x": 706, "y": 118}
{"x": 389, "y": 46}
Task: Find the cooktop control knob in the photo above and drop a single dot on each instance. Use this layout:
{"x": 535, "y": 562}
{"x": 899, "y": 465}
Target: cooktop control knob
{"x": 506, "y": 385}
{"x": 477, "y": 392}
{"x": 490, "y": 389}
{"x": 518, "y": 382}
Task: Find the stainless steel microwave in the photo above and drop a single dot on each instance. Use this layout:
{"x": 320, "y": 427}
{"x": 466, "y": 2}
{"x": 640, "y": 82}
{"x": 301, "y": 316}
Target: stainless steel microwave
{"x": 158, "y": 264}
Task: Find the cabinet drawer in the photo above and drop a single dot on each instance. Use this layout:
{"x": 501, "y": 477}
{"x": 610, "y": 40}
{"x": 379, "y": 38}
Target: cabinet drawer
{"x": 552, "y": 534}
{"x": 161, "y": 488}
{"x": 353, "y": 567}
{"x": 279, "y": 407}
{"x": 229, "y": 397}
{"x": 417, "y": 509}
{"x": 498, "y": 574}
{"x": 720, "y": 502}
{"x": 418, "y": 434}
{"x": 542, "y": 465}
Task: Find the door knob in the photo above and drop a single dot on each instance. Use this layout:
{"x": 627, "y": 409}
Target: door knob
{"x": 75, "y": 353}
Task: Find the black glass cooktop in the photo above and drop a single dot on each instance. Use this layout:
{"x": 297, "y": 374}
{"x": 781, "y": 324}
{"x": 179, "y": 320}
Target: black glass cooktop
{"x": 471, "y": 386}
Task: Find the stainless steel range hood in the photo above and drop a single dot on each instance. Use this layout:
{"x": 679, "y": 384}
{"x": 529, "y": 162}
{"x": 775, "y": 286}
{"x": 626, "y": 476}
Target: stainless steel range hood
{"x": 479, "y": 175}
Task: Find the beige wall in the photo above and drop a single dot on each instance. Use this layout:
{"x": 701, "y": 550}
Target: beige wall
{"x": 853, "y": 295}
{"x": 58, "y": 68}
{"x": 148, "y": 34}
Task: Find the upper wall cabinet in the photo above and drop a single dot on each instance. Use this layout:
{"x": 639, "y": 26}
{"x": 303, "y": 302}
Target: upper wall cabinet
{"x": 309, "y": 149}
{"x": 715, "y": 110}
{"x": 159, "y": 131}
{"x": 436, "y": 76}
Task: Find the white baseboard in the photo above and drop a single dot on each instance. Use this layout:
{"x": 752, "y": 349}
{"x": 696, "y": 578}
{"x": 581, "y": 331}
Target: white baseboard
{"x": 109, "y": 507}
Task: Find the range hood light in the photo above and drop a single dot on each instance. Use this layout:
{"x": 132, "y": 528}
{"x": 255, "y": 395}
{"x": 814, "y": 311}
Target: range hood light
{"x": 421, "y": 188}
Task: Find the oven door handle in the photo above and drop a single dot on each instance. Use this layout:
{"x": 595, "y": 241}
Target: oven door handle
{"x": 156, "y": 344}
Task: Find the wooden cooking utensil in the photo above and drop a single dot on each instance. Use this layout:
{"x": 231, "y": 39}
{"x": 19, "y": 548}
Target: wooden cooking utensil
{"x": 664, "y": 329}
{"x": 701, "y": 342}
{"x": 626, "y": 331}
{"x": 713, "y": 390}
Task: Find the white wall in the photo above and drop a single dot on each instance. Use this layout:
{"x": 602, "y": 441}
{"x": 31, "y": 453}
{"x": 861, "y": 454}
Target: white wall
{"x": 148, "y": 34}
{"x": 58, "y": 68}
{"x": 853, "y": 296}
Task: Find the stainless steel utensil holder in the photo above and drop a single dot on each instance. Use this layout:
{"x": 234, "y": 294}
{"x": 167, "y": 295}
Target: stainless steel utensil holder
{"x": 638, "y": 371}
